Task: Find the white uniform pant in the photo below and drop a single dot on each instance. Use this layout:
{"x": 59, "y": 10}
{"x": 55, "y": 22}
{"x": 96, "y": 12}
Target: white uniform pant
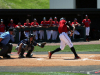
{"x": 35, "y": 33}
{"x": 54, "y": 35}
{"x": 48, "y": 34}
{"x": 75, "y": 32}
{"x": 27, "y": 34}
{"x": 1, "y": 33}
{"x": 64, "y": 38}
{"x": 87, "y": 31}
{"x": 41, "y": 34}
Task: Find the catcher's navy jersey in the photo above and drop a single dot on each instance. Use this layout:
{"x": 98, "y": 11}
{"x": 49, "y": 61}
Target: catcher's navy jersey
{"x": 26, "y": 41}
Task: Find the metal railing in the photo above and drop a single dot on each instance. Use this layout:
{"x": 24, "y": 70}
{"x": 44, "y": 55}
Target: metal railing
{"x": 45, "y": 36}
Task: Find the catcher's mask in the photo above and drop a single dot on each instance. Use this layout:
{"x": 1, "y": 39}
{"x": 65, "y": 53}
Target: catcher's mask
{"x": 32, "y": 35}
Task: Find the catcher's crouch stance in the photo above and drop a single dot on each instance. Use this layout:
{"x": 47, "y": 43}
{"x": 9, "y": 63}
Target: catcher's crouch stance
{"x": 28, "y": 45}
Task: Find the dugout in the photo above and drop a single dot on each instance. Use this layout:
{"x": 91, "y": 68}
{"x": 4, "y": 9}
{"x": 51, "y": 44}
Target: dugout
{"x": 20, "y": 15}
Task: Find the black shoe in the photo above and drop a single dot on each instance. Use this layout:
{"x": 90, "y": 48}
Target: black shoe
{"x": 29, "y": 56}
{"x": 77, "y": 57}
{"x": 21, "y": 56}
{"x": 6, "y": 57}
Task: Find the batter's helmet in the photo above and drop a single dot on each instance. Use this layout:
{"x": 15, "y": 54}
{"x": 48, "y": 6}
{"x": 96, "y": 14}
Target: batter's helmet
{"x": 62, "y": 19}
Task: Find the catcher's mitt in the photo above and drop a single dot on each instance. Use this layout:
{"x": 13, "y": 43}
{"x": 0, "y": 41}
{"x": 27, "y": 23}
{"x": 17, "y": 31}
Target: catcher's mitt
{"x": 42, "y": 44}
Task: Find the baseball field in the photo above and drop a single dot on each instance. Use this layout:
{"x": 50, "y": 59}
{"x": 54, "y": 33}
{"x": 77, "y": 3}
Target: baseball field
{"x": 61, "y": 63}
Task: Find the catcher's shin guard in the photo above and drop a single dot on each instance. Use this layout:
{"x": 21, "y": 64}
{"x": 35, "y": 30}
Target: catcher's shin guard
{"x": 21, "y": 55}
{"x": 29, "y": 52}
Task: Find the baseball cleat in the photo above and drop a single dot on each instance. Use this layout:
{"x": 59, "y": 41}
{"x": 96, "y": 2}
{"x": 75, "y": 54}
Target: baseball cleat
{"x": 6, "y": 57}
{"x": 21, "y": 56}
{"x": 49, "y": 54}
{"x": 29, "y": 56}
{"x": 77, "y": 57}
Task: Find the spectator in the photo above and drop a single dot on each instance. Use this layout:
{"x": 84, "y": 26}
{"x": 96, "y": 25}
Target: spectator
{"x": 55, "y": 32}
{"x": 75, "y": 24}
{"x": 51, "y": 23}
{"x": 5, "y": 46}
{"x": 27, "y": 25}
{"x": 86, "y": 22}
{"x": 2, "y": 27}
{"x": 43, "y": 24}
{"x": 11, "y": 24}
{"x": 19, "y": 26}
{"x": 35, "y": 24}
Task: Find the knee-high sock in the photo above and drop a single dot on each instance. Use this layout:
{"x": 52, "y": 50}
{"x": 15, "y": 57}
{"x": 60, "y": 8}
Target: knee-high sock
{"x": 56, "y": 50}
{"x": 73, "y": 50}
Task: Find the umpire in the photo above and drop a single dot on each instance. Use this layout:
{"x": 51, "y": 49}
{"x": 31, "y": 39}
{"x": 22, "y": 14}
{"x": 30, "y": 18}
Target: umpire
{"x": 28, "y": 45}
{"x": 5, "y": 46}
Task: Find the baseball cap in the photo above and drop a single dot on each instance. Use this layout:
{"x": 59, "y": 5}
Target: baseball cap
{"x": 34, "y": 18}
{"x": 75, "y": 18}
{"x": 1, "y": 20}
{"x": 50, "y": 18}
{"x": 55, "y": 17}
{"x": 11, "y": 20}
{"x": 86, "y": 15}
{"x": 44, "y": 18}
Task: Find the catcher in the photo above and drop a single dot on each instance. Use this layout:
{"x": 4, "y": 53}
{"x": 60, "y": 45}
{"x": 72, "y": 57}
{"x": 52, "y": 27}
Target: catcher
{"x": 28, "y": 45}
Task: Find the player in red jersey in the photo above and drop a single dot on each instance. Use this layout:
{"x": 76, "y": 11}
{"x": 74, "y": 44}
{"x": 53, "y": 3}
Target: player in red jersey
{"x": 51, "y": 23}
{"x": 35, "y": 24}
{"x": 43, "y": 24}
{"x": 64, "y": 38}
{"x": 2, "y": 27}
{"x": 75, "y": 24}
{"x": 11, "y": 24}
{"x": 86, "y": 22}
{"x": 55, "y": 32}
{"x": 19, "y": 26}
{"x": 27, "y": 24}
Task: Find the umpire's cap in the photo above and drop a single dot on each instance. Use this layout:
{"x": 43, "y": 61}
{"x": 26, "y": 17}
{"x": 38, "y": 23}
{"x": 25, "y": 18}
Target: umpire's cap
{"x": 31, "y": 35}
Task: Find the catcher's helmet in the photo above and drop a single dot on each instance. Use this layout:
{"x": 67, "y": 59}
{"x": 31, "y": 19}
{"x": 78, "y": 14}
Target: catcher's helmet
{"x": 31, "y": 35}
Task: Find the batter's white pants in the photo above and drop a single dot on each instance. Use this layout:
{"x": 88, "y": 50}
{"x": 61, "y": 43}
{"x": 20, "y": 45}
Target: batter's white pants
{"x": 87, "y": 31}
{"x": 1, "y": 33}
{"x": 41, "y": 34}
{"x": 48, "y": 34}
{"x": 27, "y": 34}
{"x": 64, "y": 38}
{"x": 54, "y": 35}
{"x": 35, "y": 33}
{"x": 75, "y": 32}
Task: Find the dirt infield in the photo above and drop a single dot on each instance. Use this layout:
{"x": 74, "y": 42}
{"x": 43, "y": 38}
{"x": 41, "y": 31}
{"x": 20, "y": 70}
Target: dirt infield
{"x": 57, "y": 60}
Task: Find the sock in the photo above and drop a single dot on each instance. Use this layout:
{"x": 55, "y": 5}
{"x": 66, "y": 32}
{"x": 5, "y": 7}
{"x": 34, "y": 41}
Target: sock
{"x": 56, "y": 50}
{"x": 73, "y": 50}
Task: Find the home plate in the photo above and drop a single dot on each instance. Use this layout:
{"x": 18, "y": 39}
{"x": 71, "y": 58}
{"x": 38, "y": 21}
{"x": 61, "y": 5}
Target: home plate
{"x": 40, "y": 59}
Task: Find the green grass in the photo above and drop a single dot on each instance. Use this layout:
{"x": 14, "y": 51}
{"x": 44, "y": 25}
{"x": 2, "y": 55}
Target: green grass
{"x": 79, "y": 48}
{"x": 40, "y": 73}
{"x": 24, "y": 4}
